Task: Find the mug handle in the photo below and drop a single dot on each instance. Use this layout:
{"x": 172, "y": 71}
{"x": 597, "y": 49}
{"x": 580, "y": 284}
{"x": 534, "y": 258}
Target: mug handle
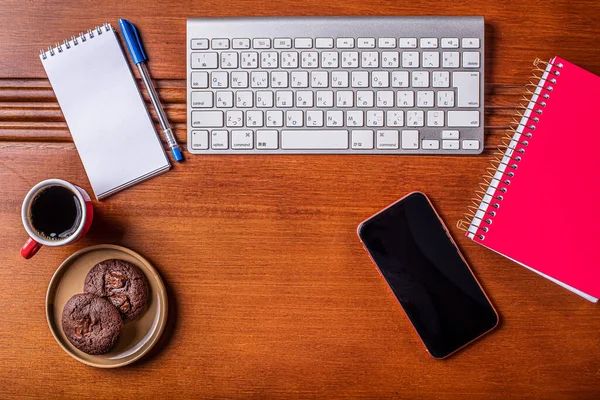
{"x": 30, "y": 248}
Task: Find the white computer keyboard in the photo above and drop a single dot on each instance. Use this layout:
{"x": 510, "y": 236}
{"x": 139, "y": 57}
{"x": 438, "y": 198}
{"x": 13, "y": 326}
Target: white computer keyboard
{"x": 350, "y": 85}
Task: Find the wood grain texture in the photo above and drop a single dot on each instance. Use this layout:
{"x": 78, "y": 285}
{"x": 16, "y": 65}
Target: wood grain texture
{"x": 271, "y": 293}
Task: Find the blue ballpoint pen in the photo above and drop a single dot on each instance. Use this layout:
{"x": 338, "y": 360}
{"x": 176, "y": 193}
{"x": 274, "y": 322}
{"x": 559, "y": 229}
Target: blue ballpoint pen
{"x": 134, "y": 44}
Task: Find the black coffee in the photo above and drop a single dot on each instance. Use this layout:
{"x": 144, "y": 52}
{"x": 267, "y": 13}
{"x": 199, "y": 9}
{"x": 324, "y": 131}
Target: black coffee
{"x": 55, "y": 213}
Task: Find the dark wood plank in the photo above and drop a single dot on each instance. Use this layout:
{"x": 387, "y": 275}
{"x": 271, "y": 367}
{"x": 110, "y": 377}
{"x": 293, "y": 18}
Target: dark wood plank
{"x": 271, "y": 293}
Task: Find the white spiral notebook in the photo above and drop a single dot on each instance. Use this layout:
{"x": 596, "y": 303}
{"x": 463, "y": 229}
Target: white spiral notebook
{"x": 104, "y": 110}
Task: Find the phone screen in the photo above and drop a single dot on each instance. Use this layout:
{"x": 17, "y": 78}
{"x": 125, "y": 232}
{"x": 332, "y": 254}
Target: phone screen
{"x": 425, "y": 270}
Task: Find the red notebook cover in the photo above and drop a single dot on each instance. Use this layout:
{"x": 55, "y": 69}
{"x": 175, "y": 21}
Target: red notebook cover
{"x": 534, "y": 205}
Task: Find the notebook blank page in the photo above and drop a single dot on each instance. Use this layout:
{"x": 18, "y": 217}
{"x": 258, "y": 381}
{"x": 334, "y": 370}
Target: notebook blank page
{"x": 547, "y": 219}
{"x": 105, "y": 113}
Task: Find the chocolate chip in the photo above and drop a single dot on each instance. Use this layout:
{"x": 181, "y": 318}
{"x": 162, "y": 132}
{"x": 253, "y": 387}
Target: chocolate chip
{"x": 115, "y": 279}
{"x": 121, "y": 301}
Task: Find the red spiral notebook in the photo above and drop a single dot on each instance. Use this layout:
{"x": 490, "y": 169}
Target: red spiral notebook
{"x": 534, "y": 204}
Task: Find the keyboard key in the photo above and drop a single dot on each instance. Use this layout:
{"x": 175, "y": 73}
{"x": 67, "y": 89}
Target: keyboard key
{"x": 450, "y": 134}
{"x": 445, "y": 98}
{"x": 282, "y": 43}
{"x": 405, "y": 98}
{"x": 459, "y": 119}
{"x": 410, "y": 140}
{"x": 219, "y": 79}
{"x": 249, "y": 59}
{"x": 415, "y": 118}
{"x": 235, "y": 118}
{"x": 324, "y": 43}
{"x": 244, "y": 99}
{"x": 314, "y": 118}
{"x": 267, "y": 140}
{"x": 410, "y": 59}
{"x": 200, "y": 140}
{"x": 387, "y": 139}
{"x": 339, "y": 79}
{"x": 470, "y": 43}
{"x": 355, "y": 118}
{"x": 374, "y": 118}
{"x": 364, "y": 98}
{"x": 304, "y": 98}
{"x": 431, "y": 144}
{"x": 204, "y": 60}
{"x": 390, "y": 59}
{"x": 199, "y": 44}
{"x": 470, "y": 59}
{"x": 369, "y": 59}
{"x": 345, "y": 99}
{"x": 294, "y": 118}
{"x": 224, "y": 99}
{"x": 345, "y": 43}
{"x": 425, "y": 98}
{"x": 428, "y": 43}
{"x": 362, "y": 139}
{"x": 450, "y": 144}
{"x": 449, "y": 43}
{"x": 285, "y": 99}
{"x": 274, "y": 118}
{"x": 261, "y": 43}
{"x": 314, "y": 139}
{"x": 240, "y": 44}
{"x": 324, "y": 98}
{"x": 264, "y": 99}
{"x": 408, "y": 43}
{"x": 229, "y": 60}
{"x": 400, "y": 79}
{"x": 329, "y": 59}
{"x": 299, "y": 79}
{"x": 470, "y": 144}
{"x": 366, "y": 43}
{"x": 394, "y": 118}
{"x": 450, "y": 59}
{"x": 431, "y": 59}
{"x": 199, "y": 80}
{"x": 219, "y": 140}
{"x": 242, "y": 140}
{"x": 441, "y": 79}
{"x": 387, "y": 43}
{"x": 289, "y": 59}
{"x": 360, "y": 79}
{"x": 268, "y": 59}
{"x": 420, "y": 79}
{"x": 349, "y": 59}
{"x": 303, "y": 43}
{"x": 219, "y": 44}
{"x": 385, "y": 98}
{"x": 254, "y": 118}
{"x": 435, "y": 118}
{"x": 335, "y": 118}
{"x": 207, "y": 119}
{"x": 259, "y": 79}
{"x": 467, "y": 85}
{"x": 309, "y": 59}
{"x": 279, "y": 79}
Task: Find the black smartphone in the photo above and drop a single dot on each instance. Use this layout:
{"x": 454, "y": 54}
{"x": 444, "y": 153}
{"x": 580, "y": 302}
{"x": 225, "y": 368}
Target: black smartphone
{"x": 411, "y": 247}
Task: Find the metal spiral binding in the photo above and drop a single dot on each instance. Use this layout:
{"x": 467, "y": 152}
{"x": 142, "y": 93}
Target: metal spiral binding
{"x": 74, "y": 41}
{"x": 510, "y": 153}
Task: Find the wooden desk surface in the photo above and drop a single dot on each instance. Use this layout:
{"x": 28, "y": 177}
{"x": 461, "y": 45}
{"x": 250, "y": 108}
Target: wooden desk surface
{"x": 271, "y": 293}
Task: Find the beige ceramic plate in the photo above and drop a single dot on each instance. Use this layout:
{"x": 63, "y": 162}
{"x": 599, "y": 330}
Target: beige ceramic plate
{"x": 138, "y": 337}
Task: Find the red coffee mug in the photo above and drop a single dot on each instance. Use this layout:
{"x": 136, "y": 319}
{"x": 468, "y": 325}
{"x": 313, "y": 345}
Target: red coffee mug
{"x": 36, "y": 241}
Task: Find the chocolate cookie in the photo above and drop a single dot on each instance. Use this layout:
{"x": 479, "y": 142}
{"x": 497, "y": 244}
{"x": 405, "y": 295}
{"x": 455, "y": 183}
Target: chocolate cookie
{"x": 122, "y": 283}
{"x": 91, "y": 323}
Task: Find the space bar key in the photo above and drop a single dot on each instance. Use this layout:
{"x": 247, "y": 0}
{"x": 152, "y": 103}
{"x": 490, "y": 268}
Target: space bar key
{"x": 314, "y": 139}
